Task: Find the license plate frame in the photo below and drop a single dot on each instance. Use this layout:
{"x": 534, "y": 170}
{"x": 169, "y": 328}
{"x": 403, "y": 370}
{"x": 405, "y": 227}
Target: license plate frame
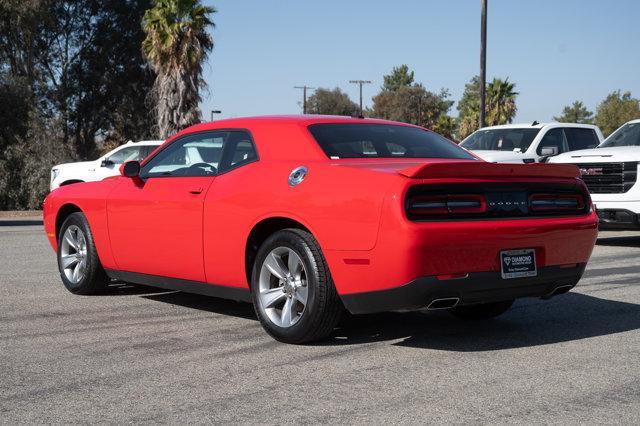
{"x": 519, "y": 263}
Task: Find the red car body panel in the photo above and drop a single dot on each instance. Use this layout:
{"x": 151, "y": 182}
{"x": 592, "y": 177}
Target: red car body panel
{"x": 197, "y": 228}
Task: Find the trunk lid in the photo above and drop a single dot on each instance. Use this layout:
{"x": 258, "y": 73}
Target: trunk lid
{"x": 481, "y": 170}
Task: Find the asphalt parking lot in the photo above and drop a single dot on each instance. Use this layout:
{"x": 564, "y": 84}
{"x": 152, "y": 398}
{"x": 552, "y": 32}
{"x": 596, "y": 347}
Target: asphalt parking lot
{"x": 141, "y": 355}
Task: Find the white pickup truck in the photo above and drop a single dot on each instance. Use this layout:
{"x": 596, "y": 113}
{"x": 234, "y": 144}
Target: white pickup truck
{"x": 611, "y": 174}
{"x": 105, "y": 166}
{"x": 530, "y": 143}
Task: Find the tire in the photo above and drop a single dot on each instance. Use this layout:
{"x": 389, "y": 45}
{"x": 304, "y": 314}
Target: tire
{"x": 294, "y": 297}
{"x": 482, "y": 311}
{"x": 80, "y": 268}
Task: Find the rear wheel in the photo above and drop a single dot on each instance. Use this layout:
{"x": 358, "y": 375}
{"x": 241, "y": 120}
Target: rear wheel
{"x": 78, "y": 262}
{"x": 482, "y": 311}
{"x": 292, "y": 290}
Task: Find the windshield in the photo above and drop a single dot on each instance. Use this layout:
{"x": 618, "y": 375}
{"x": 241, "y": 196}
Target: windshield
{"x": 517, "y": 140}
{"x": 627, "y": 135}
{"x": 383, "y": 141}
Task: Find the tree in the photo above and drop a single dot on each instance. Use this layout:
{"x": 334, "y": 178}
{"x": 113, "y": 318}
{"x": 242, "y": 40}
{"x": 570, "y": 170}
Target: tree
{"x": 176, "y": 46}
{"x": 446, "y": 126}
{"x": 501, "y": 102}
{"x": 82, "y": 62}
{"x": 72, "y": 74}
{"x": 575, "y": 113}
{"x": 615, "y": 110}
{"x": 399, "y": 77}
{"x": 500, "y": 107}
{"x": 411, "y": 104}
{"x": 331, "y": 102}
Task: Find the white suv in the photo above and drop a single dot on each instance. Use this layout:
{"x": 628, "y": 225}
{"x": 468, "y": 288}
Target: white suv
{"x": 611, "y": 174}
{"x": 105, "y": 166}
{"x": 530, "y": 143}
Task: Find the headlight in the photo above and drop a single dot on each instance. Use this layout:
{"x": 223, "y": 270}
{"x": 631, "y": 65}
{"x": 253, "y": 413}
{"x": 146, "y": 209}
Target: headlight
{"x": 54, "y": 174}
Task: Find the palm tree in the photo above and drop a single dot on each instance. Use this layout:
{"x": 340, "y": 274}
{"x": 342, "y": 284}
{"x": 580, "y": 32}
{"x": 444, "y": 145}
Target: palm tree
{"x": 176, "y": 46}
{"x": 501, "y": 102}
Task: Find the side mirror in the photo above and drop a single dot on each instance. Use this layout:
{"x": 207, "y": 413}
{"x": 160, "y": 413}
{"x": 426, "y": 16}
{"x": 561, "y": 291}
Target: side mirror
{"x": 549, "y": 151}
{"x": 130, "y": 169}
{"x": 106, "y": 163}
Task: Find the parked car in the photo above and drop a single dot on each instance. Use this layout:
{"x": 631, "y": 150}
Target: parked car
{"x": 530, "y": 143}
{"x": 105, "y": 166}
{"x": 611, "y": 174}
{"x": 307, "y": 215}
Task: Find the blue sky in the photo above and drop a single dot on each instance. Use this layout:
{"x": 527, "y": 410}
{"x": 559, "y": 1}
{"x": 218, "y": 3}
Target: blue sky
{"x": 555, "y": 51}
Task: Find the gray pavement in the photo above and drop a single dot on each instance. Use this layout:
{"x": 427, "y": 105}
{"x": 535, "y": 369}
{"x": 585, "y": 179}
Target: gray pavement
{"x": 141, "y": 355}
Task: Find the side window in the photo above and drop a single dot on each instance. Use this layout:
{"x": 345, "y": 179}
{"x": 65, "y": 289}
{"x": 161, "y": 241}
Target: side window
{"x": 148, "y": 150}
{"x": 554, "y": 138}
{"x": 580, "y": 138}
{"x": 202, "y": 154}
{"x": 193, "y": 155}
{"x": 133, "y": 153}
{"x": 238, "y": 150}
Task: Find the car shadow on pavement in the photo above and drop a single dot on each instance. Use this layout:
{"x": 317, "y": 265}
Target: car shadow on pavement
{"x": 633, "y": 241}
{"x": 530, "y": 322}
{"x": 119, "y": 288}
{"x": 21, "y": 222}
{"x": 204, "y": 303}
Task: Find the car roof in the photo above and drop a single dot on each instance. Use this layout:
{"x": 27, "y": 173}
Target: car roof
{"x": 149, "y": 142}
{"x": 302, "y": 119}
{"x": 275, "y": 134}
{"x": 539, "y": 126}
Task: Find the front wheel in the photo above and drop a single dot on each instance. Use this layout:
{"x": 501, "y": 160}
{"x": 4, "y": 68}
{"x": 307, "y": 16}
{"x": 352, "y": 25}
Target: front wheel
{"x": 481, "y": 311}
{"x": 78, "y": 261}
{"x": 292, "y": 290}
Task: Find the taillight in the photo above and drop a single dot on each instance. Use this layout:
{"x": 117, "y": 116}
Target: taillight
{"x": 556, "y": 202}
{"x": 446, "y": 204}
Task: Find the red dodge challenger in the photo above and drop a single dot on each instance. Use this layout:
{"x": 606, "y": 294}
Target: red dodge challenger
{"x": 308, "y": 215}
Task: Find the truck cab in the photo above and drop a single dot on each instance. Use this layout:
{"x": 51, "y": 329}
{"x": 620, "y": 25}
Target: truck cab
{"x": 531, "y": 143}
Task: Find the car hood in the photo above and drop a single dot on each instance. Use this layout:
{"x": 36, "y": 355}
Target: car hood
{"x": 500, "y": 156}
{"x": 599, "y": 155}
{"x": 80, "y": 165}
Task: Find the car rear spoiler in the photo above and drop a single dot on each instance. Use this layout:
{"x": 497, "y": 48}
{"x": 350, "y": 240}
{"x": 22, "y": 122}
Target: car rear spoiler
{"x": 481, "y": 169}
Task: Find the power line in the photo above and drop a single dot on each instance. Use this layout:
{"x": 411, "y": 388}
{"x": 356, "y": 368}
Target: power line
{"x": 304, "y": 96}
{"x": 360, "y": 83}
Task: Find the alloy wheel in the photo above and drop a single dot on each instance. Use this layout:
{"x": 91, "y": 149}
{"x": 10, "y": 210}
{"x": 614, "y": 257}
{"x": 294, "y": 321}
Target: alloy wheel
{"x": 283, "y": 287}
{"x": 73, "y": 254}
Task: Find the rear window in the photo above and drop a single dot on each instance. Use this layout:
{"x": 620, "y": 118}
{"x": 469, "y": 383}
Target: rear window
{"x": 383, "y": 141}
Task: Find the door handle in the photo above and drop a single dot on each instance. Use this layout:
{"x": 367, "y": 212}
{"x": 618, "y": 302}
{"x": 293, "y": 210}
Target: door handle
{"x": 196, "y": 190}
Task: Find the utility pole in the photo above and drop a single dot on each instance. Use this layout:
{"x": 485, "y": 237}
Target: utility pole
{"x": 419, "y": 118}
{"x": 360, "y": 83}
{"x": 304, "y": 96}
{"x": 215, "y": 111}
{"x": 483, "y": 60}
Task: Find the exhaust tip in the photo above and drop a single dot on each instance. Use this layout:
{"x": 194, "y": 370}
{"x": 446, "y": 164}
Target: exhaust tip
{"x": 558, "y": 290}
{"x": 443, "y": 303}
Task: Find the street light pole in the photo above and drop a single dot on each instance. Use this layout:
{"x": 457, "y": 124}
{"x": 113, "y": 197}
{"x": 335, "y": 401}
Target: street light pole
{"x": 360, "y": 83}
{"x": 483, "y": 61}
{"x": 304, "y": 96}
{"x": 215, "y": 111}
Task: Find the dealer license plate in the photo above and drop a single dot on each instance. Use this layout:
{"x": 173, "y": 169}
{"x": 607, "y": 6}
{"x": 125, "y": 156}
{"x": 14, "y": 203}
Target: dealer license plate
{"x": 518, "y": 263}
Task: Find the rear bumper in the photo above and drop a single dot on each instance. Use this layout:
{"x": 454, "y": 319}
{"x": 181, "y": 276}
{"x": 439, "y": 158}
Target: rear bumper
{"x": 478, "y": 287}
